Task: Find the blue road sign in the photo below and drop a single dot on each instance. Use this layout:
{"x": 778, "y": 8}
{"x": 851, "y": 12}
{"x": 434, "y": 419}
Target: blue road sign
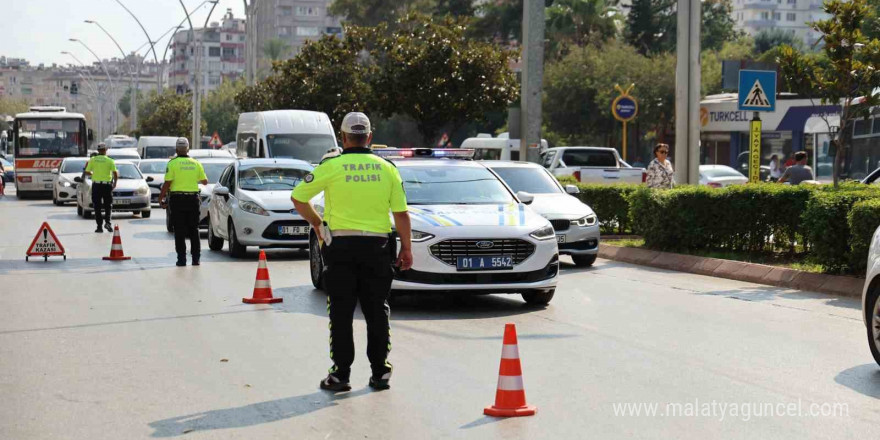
{"x": 757, "y": 90}
{"x": 624, "y": 108}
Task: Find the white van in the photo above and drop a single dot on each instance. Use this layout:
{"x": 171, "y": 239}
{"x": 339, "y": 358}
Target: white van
{"x": 157, "y": 147}
{"x": 293, "y": 134}
{"x": 497, "y": 148}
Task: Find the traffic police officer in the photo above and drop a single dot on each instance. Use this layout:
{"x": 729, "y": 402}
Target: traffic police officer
{"x": 182, "y": 179}
{"x": 360, "y": 189}
{"x": 104, "y": 175}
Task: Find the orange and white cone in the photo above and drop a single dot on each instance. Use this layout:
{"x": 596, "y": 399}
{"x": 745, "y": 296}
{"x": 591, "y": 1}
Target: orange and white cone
{"x": 262, "y": 286}
{"x": 510, "y": 398}
{"x": 116, "y": 253}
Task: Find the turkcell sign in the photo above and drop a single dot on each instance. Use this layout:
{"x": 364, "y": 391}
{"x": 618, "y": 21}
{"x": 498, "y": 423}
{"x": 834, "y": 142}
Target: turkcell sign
{"x": 624, "y": 108}
{"x": 757, "y": 90}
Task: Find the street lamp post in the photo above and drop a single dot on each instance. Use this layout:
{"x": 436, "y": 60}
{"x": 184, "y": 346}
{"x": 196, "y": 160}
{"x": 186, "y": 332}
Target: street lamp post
{"x": 96, "y": 92}
{"x": 109, "y": 79}
{"x": 197, "y": 50}
{"x": 152, "y": 46}
{"x": 132, "y": 99}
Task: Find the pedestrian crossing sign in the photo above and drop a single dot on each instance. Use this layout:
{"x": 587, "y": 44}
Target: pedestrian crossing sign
{"x": 757, "y": 90}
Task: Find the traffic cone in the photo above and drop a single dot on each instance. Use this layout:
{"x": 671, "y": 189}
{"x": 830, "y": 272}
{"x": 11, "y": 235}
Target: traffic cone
{"x": 116, "y": 253}
{"x": 510, "y": 398}
{"x": 262, "y": 286}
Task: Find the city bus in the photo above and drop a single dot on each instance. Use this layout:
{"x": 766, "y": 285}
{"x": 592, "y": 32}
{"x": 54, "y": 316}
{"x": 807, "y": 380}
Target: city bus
{"x": 41, "y": 139}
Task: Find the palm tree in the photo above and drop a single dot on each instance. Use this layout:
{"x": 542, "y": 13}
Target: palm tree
{"x": 578, "y": 20}
{"x": 275, "y": 49}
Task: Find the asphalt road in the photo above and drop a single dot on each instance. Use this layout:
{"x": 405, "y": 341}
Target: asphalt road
{"x": 101, "y": 350}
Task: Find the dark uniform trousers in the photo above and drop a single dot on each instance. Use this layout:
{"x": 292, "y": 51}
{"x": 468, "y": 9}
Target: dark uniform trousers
{"x": 359, "y": 269}
{"x": 102, "y": 201}
{"x": 185, "y": 218}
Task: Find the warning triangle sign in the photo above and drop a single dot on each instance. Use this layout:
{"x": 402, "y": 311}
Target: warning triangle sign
{"x": 45, "y": 243}
{"x": 757, "y": 97}
{"x": 215, "y": 141}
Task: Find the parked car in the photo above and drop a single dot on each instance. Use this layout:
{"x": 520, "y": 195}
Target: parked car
{"x": 250, "y": 206}
{"x": 64, "y": 186}
{"x": 129, "y": 154}
{"x": 130, "y": 195}
{"x": 575, "y": 223}
{"x": 157, "y": 147}
{"x": 742, "y": 162}
{"x": 720, "y": 176}
{"x": 292, "y": 134}
{"x": 154, "y": 168}
{"x": 871, "y": 297}
{"x": 9, "y": 174}
{"x": 209, "y": 153}
{"x": 471, "y": 234}
{"x": 500, "y": 148}
{"x": 591, "y": 165}
{"x": 214, "y": 167}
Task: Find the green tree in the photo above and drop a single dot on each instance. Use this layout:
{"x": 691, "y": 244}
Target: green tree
{"x": 769, "y": 39}
{"x": 499, "y": 20}
{"x": 220, "y": 111}
{"x": 275, "y": 49}
{"x": 125, "y": 102}
{"x": 455, "y": 8}
{"x": 10, "y": 106}
{"x": 169, "y": 114}
{"x": 578, "y": 21}
{"x": 871, "y": 26}
{"x": 430, "y": 70}
{"x": 328, "y": 75}
{"x": 651, "y": 25}
{"x": 718, "y": 24}
{"x": 711, "y": 62}
{"x": 848, "y": 77}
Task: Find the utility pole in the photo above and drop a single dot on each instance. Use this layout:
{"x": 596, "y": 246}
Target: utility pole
{"x": 132, "y": 99}
{"x": 532, "y": 80}
{"x": 687, "y": 92}
{"x": 248, "y": 30}
{"x": 115, "y": 113}
{"x": 197, "y": 51}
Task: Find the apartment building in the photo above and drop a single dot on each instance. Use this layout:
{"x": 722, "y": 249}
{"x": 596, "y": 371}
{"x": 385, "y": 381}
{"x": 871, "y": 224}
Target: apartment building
{"x": 792, "y": 16}
{"x": 222, "y": 47}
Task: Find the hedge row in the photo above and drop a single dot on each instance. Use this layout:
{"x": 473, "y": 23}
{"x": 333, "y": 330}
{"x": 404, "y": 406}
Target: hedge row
{"x": 833, "y": 226}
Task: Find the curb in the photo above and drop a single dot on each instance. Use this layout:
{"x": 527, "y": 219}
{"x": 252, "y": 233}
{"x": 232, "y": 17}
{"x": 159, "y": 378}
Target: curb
{"x": 737, "y": 270}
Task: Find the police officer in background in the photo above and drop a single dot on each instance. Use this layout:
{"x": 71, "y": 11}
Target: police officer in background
{"x": 182, "y": 179}
{"x": 104, "y": 175}
{"x": 360, "y": 189}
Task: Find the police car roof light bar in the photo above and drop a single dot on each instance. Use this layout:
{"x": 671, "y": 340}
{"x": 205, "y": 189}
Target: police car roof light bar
{"x": 451, "y": 153}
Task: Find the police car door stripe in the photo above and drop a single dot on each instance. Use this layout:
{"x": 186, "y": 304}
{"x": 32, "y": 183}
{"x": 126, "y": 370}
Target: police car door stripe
{"x": 500, "y": 215}
{"x": 522, "y": 215}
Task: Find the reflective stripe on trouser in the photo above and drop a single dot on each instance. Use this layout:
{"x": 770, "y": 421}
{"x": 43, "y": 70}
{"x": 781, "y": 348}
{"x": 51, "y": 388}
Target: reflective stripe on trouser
{"x": 359, "y": 270}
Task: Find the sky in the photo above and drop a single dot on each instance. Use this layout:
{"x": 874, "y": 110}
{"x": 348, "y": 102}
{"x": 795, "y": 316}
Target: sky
{"x": 38, "y": 30}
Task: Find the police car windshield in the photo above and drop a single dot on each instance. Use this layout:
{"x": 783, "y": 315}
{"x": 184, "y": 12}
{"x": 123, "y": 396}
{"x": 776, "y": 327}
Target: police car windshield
{"x": 74, "y": 166}
{"x": 270, "y": 178}
{"x": 452, "y": 185}
{"x": 128, "y": 171}
{"x": 307, "y": 147}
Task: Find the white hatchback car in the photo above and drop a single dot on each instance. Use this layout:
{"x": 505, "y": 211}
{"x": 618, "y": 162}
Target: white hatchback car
{"x": 871, "y": 297}
{"x": 250, "y": 206}
{"x": 721, "y": 176}
{"x": 130, "y": 195}
{"x": 64, "y": 186}
{"x": 576, "y": 225}
{"x": 154, "y": 168}
{"x": 471, "y": 235}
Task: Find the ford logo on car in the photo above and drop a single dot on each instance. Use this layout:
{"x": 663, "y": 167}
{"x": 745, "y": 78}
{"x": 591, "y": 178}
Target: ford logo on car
{"x": 485, "y": 244}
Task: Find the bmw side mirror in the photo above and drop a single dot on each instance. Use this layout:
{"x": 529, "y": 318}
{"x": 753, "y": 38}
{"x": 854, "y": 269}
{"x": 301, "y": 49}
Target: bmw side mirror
{"x": 526, "y": 198}
{"x": 78, "y": 179}
{"x": 221, "y": 190}
{"x": 572, "y": 189}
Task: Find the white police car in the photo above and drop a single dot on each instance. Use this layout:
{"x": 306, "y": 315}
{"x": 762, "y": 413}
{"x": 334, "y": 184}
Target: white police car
{"x": 471, "y": 235}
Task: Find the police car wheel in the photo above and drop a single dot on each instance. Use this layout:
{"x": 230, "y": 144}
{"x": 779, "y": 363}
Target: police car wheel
{"x": 215, "y": 243}
{"x": 316, "y": 263}
{"x": 538, "y": 297}
{"x": 583, "y": 260}
{"x": 236, "y": 249}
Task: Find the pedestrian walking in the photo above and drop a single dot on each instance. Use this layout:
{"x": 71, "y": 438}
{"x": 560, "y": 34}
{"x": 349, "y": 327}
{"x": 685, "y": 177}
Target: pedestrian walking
{"x": 798, "y": 172}
{"x": 182, "y": 178}
{"x": 660, "y": 172}
{"x": 775, "y": 168}
{"x": 104, "y": 175}
{"x": 360, "y": 189}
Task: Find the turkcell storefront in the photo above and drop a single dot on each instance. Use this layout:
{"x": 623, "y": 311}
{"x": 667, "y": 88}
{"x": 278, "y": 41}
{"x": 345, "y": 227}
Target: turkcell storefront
{"x": 796, "y": 125}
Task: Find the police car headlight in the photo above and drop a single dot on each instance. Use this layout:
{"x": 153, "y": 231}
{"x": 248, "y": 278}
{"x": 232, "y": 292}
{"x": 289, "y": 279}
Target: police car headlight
{"x": 589, "y": 220}
{"x": 419, "y": 236}
{"x": 65, "y": 184}
{"x": 142, "y": 191}
{"x": 544, "y": 233}
{"x": 252, "y": 208}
